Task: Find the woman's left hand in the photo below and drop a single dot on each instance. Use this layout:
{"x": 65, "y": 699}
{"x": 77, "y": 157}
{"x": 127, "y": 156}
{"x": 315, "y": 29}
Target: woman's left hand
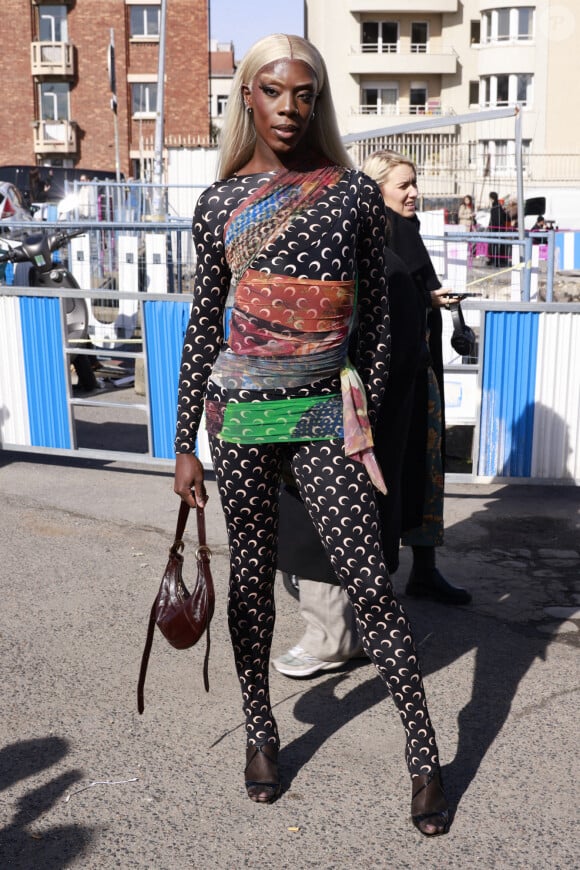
{"x": 440, "y": 299}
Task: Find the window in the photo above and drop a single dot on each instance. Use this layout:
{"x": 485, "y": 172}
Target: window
{"x": 503, "y": 24}
{"x": 54, "y": 101}
{"x": 221, "y": 103}
{"x": 507, "y": 90}
{"x": 417, "y": 100}
{"x": 509, "y": 24}
{"x": 370, "y": 36}
{"x": 380, "y": 36}
{"x": 475, "y": 32}
{"x": 524, "y": 88}
{"x": 498, "y": 156}
{"x": 419, "y": 35}
{"x": 390, "y": 36}
{"x": 143, "y": 98}
{"x": 501, "y": 153}
{"x": 473, "y": 92}
{"x": 503, "y": 85}
{"x": 52, "y": 24}
{"x": 525, "y": 23}
{"x": 380, "y": 101}
{"x": 144, "y": 21}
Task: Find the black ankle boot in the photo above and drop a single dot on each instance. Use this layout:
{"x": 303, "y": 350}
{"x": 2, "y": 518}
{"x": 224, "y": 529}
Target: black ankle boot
{"x": 425, "y": 581}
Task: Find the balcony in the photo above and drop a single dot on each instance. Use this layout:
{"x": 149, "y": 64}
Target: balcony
{"x": 362, "y": 60}
{"x": 50, "y": 59}
{"x": 370, "y": 6}
{"x": 55, "y": 137}
{"x": 401, "y": 108}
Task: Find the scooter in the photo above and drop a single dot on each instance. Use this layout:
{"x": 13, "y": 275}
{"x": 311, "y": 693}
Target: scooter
{"x": 35, "y": 265}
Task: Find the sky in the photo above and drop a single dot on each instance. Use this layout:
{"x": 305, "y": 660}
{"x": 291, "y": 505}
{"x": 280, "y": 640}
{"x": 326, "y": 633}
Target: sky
{"x": 245, "y": 21}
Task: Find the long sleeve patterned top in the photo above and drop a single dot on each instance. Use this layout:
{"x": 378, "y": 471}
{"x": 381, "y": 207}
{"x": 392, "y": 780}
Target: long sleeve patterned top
{"x": 336, "y": 235}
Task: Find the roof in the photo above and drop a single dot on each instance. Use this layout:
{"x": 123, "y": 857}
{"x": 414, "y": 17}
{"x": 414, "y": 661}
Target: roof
{"x": 221, "y": 63}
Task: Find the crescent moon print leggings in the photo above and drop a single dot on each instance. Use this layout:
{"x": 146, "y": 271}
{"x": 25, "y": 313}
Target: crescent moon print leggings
{"x": 340, "y": 500}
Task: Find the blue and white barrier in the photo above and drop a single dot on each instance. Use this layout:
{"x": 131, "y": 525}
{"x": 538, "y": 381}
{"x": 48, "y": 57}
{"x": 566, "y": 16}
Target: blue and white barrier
{"x": 522, "y": 397}
{"x": 567, "y": 250}
{"x": 530, "y": 394}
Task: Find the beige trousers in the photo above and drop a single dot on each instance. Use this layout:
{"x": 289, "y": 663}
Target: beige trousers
{"x": 331, "y": 632}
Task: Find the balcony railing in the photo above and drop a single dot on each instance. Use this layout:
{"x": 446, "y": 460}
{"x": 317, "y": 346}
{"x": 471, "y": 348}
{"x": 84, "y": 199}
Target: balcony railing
{"x": 379, "y": 48}
{"x": 52, "y": 59}
{"x": 55, "y": 137}
{"x": 402, "y": 107}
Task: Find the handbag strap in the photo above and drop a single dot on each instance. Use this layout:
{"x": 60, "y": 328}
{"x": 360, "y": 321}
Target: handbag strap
{"x": 203, "y": 557}
{"x": 145, "y": 658}
{"x": 181, "y": 522}
{"x": 204, "y": 560}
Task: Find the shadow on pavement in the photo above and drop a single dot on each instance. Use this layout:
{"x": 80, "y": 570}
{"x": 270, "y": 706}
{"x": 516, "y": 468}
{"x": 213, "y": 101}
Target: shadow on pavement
{"x": 24, "y": 846}
{"x": 505, "y": 642}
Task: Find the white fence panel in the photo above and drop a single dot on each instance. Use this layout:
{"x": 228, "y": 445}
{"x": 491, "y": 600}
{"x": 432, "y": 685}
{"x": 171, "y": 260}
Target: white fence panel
{"x": 14, "y": 423}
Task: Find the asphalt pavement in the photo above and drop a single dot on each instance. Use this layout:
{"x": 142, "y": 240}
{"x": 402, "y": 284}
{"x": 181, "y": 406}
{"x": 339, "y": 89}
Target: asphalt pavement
{"x": 85, "y": 782}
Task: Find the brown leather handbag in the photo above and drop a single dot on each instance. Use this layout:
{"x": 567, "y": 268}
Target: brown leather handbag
{"x": 182, "y": 616}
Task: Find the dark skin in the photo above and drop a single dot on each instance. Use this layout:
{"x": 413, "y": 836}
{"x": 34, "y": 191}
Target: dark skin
{"x": 282, "y": 98}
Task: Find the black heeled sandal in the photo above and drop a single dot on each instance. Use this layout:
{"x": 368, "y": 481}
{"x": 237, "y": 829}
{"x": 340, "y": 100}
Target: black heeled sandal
{"x": 259, "y": 791}
{"x": 439, "y": 819}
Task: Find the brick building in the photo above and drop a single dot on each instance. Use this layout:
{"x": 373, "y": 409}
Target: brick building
{"x": 56, "y": 106}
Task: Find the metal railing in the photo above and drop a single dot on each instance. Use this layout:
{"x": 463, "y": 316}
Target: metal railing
{"x": 135, "y": 335}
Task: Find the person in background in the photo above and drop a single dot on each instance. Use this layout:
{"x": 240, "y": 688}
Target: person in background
{"x": 466, "y": 213}
{"x": 539, "y": 225}
{"x": 466, "y": 218}
{"x": 497, "y": 224}
{"x": 36, "y": 186}
{"x": 300, "y": 234}
{"x": 424, "y": 463}
{"x": 510, "y": 206}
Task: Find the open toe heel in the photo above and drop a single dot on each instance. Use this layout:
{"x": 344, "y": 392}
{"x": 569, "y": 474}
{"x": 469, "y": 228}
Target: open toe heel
{"x": 262, "y": 761}
{"x": 429, "y": 808}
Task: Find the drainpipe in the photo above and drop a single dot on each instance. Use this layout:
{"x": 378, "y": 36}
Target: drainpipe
{"x": 158, "y": 206}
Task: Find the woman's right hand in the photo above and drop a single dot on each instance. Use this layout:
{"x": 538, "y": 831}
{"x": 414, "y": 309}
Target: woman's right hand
{"x": 188, "y": 482}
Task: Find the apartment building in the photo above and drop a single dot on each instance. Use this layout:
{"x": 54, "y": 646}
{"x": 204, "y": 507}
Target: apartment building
{"x": 57, "y": 76}
{"x": 222, "y": 69}
{"x": 402, "y": 63}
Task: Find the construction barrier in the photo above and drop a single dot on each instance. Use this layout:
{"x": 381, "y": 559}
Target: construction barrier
{"x": 520, "y": 393}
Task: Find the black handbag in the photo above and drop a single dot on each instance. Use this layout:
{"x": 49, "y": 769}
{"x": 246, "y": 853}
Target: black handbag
{"x": 182, "y": 616}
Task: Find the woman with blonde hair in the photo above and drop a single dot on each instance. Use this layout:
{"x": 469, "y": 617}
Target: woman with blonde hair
{"x": 300, "y": 237}
{"x": 423, "y": 469}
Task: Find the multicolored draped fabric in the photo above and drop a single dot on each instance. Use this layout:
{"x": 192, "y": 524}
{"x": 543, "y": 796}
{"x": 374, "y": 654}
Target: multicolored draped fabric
{"x": 278, "y": 316}
{"x": 286, "y": 332}
{"x": 269, "y": 211}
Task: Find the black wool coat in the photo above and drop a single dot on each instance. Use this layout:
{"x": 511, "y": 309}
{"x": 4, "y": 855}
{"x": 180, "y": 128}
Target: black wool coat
{"x": 405, "y": 240}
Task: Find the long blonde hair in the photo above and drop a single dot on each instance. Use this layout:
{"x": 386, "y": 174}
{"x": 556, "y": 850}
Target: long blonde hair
{"x": 238, "y": 136}
{"x": 380, "y": 164}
